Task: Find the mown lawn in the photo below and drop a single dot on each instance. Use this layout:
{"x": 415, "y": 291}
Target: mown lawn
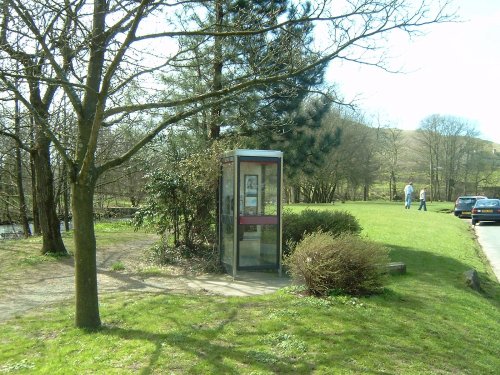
{"x": 426, "y": 322}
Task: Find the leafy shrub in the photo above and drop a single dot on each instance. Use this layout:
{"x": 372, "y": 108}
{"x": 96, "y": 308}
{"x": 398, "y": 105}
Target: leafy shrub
{"x": 295, "y": 226}
{"x": 181, "y": 199}
{"x": 344, "y": 264}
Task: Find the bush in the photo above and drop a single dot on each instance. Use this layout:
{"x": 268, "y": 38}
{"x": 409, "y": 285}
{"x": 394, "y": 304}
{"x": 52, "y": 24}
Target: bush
{"x": 180, "y": 204}
{"x": 295, "y": 226}
{"x": 343, "y": 264}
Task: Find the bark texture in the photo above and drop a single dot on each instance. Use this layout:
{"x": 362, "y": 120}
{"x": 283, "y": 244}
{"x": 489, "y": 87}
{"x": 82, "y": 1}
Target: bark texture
{"x": 87, "y": 304}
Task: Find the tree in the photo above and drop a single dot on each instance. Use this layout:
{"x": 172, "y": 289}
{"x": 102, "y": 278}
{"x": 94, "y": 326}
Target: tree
{"x": 359, "y": 167}
{"x": 32, "y": 65}
{"x": 285, "y": 115}
{"x": 94, "y": 52}
{"x": 446, "y": 141}
{"x": 12, "y": 162}
{"x": 430, "y": 137}
{"x": 392, "y": 145}
{"x": 480, "y": 166}
{"x": 350, "y": 165}
{"x": 23, "y": 210}
{"x": 368, "y": 161}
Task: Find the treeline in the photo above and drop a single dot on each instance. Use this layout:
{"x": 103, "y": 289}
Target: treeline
{"x": 375, "y": 162}
{"x": 121, "y": 187}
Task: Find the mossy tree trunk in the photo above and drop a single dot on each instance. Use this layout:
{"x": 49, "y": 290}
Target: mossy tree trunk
{"x": 49, "y": 222}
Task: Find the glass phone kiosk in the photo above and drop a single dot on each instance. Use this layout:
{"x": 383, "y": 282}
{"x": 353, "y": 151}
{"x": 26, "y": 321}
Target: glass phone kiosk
{"x": 250, "y": 210}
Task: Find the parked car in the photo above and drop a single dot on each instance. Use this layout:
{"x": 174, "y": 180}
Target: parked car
{"x": 486, "y": 210}
{"x": 464, "y": 204}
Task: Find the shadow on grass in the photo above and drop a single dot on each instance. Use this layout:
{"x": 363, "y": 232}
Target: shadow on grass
{"x": 207, "y": 350}
{"x": 338, "y": 339}
{"x": 431, "y": 269}
{"x": 204, "y": 346}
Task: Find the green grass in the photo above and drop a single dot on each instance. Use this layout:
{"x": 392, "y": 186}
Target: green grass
{"x": 113, "y": 226}
{"x": 426, "y": 322}
{"x": 118, "y": 266}
{"x": 424, "y": 240}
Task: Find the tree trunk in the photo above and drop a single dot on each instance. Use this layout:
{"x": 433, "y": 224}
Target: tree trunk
{"x": 37, "y": 230}
{"x": 296, "y": 194}
{"x": 36, "y": 221}
{"x": 49, "y": 222}
{"x": 23, "y": 211}
{"x": 393, "y": 190}
{"x": 65, "y": 193}
{"x": 87, "y": 305}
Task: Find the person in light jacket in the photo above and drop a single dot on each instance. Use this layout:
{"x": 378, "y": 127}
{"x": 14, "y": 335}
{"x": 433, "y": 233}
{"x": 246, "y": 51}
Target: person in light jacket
{"x": 423, "y": 194}
{"x": 408, "y": 195}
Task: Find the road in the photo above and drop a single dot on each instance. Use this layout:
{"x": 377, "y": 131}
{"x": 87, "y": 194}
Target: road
{"x": 488, "y": 235}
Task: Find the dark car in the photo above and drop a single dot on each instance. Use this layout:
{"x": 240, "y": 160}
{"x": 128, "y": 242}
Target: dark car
{"x": 464, "y": 204}
{"x": 486, "y": 210}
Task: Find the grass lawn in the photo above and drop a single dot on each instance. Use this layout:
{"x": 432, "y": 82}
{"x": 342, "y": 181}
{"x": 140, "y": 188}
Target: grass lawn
{"x": 426, "y": 322}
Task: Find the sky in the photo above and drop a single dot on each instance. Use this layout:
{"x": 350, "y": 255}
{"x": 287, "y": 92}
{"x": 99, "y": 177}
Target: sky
{"x": 454, "y": 69}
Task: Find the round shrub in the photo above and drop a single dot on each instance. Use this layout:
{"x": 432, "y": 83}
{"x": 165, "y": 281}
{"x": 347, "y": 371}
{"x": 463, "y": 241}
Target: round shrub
{"x": 296, "y": 225}
{"x": 343, "y": 264}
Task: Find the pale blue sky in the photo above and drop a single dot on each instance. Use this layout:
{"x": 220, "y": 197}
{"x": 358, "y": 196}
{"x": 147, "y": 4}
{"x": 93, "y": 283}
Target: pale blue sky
{"x": 452, "y": 70}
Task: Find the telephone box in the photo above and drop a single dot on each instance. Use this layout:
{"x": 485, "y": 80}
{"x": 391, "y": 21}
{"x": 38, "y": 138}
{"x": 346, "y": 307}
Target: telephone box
{"x": 250, "y": 228}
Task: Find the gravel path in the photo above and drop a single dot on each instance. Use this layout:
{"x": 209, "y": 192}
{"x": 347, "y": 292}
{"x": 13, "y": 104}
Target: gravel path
{"x": 50, "y": 282}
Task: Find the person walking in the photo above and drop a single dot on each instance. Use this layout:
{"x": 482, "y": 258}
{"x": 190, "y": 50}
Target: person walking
{"x": 408, "y": 194}
{"x": 423, "y": 194}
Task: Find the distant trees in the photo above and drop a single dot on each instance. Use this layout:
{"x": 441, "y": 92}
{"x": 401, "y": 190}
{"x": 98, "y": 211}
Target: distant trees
{"x": 448, "y": 143}
{"x": 444, "y": 154}
{"x": 346, "y": 166}
{"x": 23, "y": 208}
{"x": 481, "y": 168}
{"x": 392, "y": 144}
{"x": 14, "y": 162}
{"x": 22, "y": 71}
{"x": 7, "y": 180}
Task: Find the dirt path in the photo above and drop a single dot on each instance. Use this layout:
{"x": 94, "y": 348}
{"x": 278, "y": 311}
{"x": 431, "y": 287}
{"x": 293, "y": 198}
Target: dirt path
{"x": 50, "y": 282}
